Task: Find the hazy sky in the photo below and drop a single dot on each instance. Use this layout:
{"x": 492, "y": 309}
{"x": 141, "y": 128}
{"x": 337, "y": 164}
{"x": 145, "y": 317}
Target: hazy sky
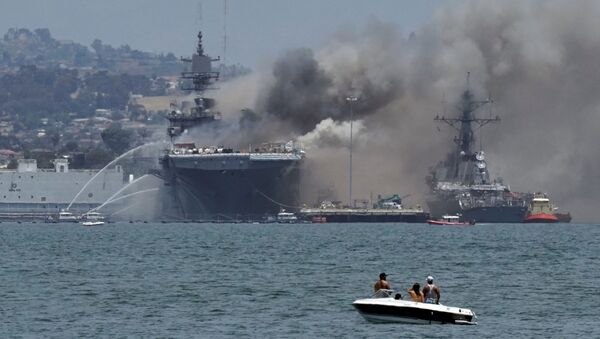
{"x": 257, "y": 30}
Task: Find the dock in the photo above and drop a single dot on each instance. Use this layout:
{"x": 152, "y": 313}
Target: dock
{"x": 366, "y": 215}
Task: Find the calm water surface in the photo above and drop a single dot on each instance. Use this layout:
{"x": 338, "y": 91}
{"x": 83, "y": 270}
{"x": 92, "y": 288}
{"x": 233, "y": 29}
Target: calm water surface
{"x": 276, "y": 281}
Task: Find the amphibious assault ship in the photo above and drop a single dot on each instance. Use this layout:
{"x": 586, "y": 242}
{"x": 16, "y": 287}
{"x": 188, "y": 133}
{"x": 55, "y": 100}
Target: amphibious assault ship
{"x": 217, "y": 182}
{"x": 461, "y": 184}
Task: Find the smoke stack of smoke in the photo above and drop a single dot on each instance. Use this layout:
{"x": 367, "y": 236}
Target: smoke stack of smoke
{"x": 537, "y": 58}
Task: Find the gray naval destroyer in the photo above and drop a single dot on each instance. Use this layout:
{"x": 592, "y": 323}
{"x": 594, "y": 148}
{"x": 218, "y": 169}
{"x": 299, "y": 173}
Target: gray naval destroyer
{"x": 461, "y": 184}
{"x": 217, "y": 182}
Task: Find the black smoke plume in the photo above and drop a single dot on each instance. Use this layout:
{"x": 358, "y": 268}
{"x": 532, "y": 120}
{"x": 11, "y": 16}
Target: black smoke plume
{"x": 538, "y": 60}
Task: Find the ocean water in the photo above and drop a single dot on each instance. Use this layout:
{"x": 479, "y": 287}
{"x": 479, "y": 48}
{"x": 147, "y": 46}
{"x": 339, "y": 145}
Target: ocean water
{"x": 296, "y": 281}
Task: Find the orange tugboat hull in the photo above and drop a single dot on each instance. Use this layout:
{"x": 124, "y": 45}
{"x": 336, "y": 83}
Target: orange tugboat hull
{"x": 541, "y": 218}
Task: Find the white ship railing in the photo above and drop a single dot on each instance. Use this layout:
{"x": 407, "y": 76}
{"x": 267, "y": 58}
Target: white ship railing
{"x": 251, "y": 156}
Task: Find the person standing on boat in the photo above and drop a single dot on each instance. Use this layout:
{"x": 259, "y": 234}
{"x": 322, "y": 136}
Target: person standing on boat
{"x": 415, "y": 293}
{"x": 431, "y": 292}
{"x": 382, "y": 283}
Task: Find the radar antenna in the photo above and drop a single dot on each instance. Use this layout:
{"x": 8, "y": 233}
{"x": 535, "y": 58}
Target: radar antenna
{"x": 201, "y": 76}
{"x": 224, "y": 32}
{"x": 200, "y": 49}
{"x": 201, "y": 73}
{"x": 463, "y": 123}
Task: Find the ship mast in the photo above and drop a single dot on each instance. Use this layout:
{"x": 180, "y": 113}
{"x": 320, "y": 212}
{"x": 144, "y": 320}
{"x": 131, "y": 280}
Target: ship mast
{"x": 202, "y": 77}
{"x": 201, "y": 72}
{"x": 464, "y": 122}
{"x": 464, "y": 125}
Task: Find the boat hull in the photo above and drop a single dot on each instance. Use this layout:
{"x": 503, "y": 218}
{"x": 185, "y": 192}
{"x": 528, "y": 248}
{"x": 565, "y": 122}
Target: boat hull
{"x": 447, "y": 223}
{"x": 495, "y": 214}
{"x": 227, "y": 190}
{"x": 401, "y": 311}
{"x": 541, "y": 218}
{"x": 487, "y": 214}
{"x": 92, "y": 223}
{"x": 563, "y": 217}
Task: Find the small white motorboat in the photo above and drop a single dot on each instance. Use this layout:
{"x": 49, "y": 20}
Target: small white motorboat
{"x": 284, "y": 217}
{"x": 66, "y": 216}
{"x": 92, "y": 219}
{"x": 387, "y": 306}
{"x": 92, "y": 223}
{"x": 450, "y": 220}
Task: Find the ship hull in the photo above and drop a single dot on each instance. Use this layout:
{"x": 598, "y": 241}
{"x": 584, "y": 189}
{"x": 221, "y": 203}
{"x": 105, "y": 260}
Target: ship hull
{"x": 541, "y": 218}
{"x": 34, "y": 194}
{"x": 563, "y": 217}
{"x": 448, "y": 223}
{"x": 495, "y": 214}
{"x": 487, "y": 214}
{"x": 232, "y": 188}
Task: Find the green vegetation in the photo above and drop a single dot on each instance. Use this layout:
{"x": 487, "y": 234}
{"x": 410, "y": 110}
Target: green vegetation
{"x": 117, "y": 139}
{"x": 51, "y": 90}
{"x": 61, "y": 98}
{"x": 21, "y": 47}
{"x": 33, "y": 93}
{"x": 49, "y": 100}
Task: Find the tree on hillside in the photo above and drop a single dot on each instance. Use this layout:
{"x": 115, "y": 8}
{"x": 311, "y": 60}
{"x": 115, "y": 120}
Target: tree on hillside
{"x": 97, "y": 158}
{"x": 117, "y": 139}
{"x": 71, "y": 146}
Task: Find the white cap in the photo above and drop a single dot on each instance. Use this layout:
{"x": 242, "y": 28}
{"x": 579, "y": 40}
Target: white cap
{"x": 429, "y": 278}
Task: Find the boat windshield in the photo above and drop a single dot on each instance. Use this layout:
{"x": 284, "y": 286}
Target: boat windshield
{"x": 450, "y": 218}
{"x": 383, "y": 293}
{"x": 93, "y": 216}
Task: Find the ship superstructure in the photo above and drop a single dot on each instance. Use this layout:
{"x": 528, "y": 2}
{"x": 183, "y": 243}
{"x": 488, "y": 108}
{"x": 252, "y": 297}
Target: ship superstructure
{"x": 29, "y": 192}
{"x": 218, "y": 182}
{"x": 198, "y": 79}
{"x": 462, "y": 184}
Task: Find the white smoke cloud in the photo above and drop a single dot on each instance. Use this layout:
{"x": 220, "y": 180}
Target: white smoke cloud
{"x": 333, "y": 134}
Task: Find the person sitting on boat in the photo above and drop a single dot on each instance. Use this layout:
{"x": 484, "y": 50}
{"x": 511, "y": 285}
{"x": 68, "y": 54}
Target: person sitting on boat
{"x": 415, "y": 293}
{"x": 431, "y": 292}
{"x": 382, "y": 283}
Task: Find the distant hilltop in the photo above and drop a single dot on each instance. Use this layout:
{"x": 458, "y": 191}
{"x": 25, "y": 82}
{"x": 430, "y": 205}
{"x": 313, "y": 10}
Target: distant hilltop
{"x": 20, "y": 47}
{"x": 60, "y": 98}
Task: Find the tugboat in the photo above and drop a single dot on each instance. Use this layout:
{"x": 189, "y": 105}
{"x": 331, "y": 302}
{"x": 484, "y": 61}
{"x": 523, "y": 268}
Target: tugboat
{"x": 541, "y": 211}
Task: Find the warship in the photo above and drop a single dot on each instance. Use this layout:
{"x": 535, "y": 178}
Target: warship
{"x": 461, "y": 184}
{"x": 217, "y": 182}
